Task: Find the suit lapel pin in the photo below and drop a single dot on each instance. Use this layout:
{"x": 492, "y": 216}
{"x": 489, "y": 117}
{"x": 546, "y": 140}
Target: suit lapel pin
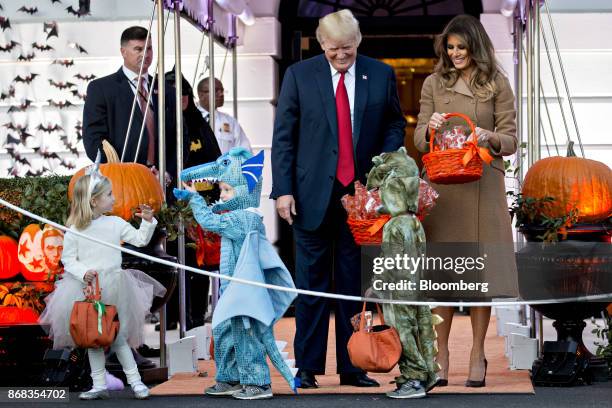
{"x": 364, "y": 77}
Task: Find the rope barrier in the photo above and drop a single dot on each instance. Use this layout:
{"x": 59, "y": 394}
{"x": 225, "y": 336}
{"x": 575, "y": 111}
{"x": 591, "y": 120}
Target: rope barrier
{"x": 603, "y": 297}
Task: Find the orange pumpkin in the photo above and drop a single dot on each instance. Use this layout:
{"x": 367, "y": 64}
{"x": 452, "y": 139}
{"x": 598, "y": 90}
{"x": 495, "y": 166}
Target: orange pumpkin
{"x": 9, "y": 263}
{"x": 133, "y": 184}
{"x": 15, "y": 315}
{"x": 30, "y": 254}
{"x": 574, "y": 183}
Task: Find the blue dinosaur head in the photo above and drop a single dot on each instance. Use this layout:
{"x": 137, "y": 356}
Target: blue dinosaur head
{"x": 238, "y": 168}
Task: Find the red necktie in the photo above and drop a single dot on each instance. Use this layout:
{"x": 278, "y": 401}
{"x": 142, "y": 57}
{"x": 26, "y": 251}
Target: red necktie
{"x": 149, "y": 121}
{"x": 345, "y": 172}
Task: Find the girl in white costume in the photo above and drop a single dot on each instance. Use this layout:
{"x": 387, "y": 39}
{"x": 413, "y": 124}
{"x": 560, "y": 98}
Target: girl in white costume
{"x": 130, "y": 291}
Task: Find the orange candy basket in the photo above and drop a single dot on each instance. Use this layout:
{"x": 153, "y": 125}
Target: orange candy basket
{"x": 446, "y": 166}
{"x": 361, "y": 233}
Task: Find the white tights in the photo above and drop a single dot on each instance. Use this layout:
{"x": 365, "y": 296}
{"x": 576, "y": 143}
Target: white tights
{"x": 97, "y": 362}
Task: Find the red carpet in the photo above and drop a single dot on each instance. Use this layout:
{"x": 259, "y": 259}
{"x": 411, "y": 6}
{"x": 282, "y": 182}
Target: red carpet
{"x": 500, "y": 379}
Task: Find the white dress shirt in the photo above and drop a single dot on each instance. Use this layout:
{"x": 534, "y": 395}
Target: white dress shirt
{"x": 133, "y": 78}
{"x": 228, "y": 131}
{"x": 349, "y": 83}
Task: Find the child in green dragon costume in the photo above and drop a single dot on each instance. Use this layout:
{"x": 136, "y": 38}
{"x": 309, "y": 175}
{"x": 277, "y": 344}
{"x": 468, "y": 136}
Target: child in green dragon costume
{"x": 245, "y": 314}
{"x": 396, "y": 176}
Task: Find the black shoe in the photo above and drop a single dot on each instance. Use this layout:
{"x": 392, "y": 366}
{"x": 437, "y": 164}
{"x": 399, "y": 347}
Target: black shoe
{"x": 169, "y": 326}
{"x": 147, "y": 351}
{"x": 476, "y": 383}
{"x": 305, "y": 379}
{"x": 358, "y": 380}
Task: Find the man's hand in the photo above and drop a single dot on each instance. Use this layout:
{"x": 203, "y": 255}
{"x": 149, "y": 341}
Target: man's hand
{"x": 167, "y": 179}
{"x": 285, "y": 205}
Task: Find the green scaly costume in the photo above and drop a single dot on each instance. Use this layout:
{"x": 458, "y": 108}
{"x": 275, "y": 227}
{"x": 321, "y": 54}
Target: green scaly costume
{"x": 396, "y": 176}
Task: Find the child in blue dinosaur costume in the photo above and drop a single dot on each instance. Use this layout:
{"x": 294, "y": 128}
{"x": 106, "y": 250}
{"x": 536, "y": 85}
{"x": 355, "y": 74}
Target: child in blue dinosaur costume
{"x": 245, "y": 314}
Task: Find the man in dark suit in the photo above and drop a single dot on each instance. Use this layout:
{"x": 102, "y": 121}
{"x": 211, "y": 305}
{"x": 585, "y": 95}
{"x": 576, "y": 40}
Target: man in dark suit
{"x": 335, "y": 112}
{"x": 106, "y": 114}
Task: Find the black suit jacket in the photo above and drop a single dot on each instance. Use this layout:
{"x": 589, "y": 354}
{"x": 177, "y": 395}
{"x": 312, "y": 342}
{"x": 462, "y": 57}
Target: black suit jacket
{"x": 107, "y": 113}
{"x": 305, "y": 141}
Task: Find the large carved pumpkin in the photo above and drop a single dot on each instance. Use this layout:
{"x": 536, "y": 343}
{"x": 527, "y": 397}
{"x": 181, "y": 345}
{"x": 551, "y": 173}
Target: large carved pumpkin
{"x": 9, "y": 263}
{"x": 30, "y": 254}
{"x": 133, "y": 184}
{"x": 574, "y": 183}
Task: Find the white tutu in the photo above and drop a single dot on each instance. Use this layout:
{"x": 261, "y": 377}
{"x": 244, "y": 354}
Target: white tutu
{"x": 130, "y": 290}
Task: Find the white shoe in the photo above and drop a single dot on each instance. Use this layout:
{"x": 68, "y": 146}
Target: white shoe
{"x": 141, "y": 391}
{"x": 253, "y": 392}
{"x": 94, "y": 394}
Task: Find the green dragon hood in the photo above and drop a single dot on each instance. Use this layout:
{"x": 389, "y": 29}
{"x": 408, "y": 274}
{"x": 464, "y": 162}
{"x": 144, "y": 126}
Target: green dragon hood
{"x": 396, "y": 176}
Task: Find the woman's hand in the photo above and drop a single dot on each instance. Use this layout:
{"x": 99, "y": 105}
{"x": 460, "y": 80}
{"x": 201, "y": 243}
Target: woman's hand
{"x": 146, "y": 212}
{"x": 89, "y": 276}
{"x": 436, "y": 121}
{"x": 486, "y": 137}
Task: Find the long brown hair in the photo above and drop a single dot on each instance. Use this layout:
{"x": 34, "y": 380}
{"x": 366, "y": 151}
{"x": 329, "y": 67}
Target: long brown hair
{"x": 480, "y": 49}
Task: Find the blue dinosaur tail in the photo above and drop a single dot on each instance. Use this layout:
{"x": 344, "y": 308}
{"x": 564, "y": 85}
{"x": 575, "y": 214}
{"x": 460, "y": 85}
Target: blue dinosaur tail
{"x": 276, "y": 357}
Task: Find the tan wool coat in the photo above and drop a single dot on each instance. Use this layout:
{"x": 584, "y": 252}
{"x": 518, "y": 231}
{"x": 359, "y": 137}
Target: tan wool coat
{"x": 476, "y": 211}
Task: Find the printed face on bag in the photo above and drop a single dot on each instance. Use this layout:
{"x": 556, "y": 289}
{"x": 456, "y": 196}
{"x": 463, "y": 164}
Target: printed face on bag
{"x": 458, "y": 53}
{"x": 104, "y": 203}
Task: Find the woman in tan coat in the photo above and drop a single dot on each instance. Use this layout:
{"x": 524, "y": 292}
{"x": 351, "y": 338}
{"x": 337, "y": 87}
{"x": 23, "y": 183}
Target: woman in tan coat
{"x": 467, "y": 80}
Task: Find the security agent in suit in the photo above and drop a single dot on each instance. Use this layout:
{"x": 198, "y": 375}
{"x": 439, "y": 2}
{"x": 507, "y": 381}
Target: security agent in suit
{"x": 106, "y": 114}
{"x": 312, "y": 168}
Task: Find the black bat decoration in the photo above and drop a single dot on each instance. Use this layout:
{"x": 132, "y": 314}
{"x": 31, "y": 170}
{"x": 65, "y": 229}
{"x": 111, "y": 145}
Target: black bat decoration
{"x": 79, "y": 13}
{"x": 42, "y": 47}
{"x": 12, "y": 140}
{"x": 51, "y": 29}
{"x": 5, "y": 23}
{"x": 46, "y": 154}
{"x": 37, "y": 173}
{"x": 72, "y": 148}
{"x": 20, "y": 108}
{"x": 78, "y": 128}
{"x": 49, "y": 128}
{"x": 60, "y": 104}
{"x": 28, "y": 79}
{"x": 78, "y": 48}
{"x": 26, "y": 57}
{"x": 22, "y": 130}
{"x": 29, "y": 10}
{"x": 77, "y": 94}
{"x": 9, "y": 94}
{"x": 85, "y": 77}
{"x": 64, "y": 62}
{"x": 61, "y": 85}
{"x": 16, "y": 155}
{"x": 8, "y": 47}
{"x": 68, "y": 164}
